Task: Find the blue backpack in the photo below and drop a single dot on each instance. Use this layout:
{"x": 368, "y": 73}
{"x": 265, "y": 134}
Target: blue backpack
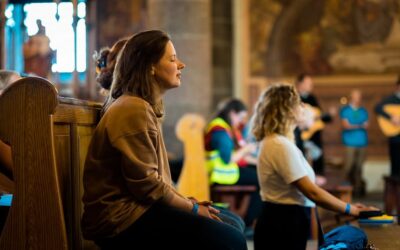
{"x": 345, "y": 238}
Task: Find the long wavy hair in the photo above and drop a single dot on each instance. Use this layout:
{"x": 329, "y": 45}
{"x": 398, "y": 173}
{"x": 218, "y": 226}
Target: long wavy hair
{"x": 275, "y": 111}
{"x": 132, "y": 72}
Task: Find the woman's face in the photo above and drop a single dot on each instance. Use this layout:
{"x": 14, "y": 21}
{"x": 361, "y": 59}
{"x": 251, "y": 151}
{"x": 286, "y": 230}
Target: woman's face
{"x": 167, "y": 71}
{"x": 307, "y": 85}
{"x": 238, "y": 119}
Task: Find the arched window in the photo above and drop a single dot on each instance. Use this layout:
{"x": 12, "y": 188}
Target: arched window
{"x": 61, "y": 25}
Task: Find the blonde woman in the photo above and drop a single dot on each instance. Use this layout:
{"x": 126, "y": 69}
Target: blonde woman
{"x": 286, "y": 179}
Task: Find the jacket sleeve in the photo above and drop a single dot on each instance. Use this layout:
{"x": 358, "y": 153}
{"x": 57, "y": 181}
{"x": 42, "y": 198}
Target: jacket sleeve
{"x": 139, "y": 166}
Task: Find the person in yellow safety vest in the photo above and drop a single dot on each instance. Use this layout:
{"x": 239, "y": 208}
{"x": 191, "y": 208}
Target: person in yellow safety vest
{"x": 220, "y": 171}
{"x": 224, "y": 152}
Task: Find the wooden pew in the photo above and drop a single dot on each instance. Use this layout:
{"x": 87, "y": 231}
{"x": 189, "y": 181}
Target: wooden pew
{"x": 49, "y": 136}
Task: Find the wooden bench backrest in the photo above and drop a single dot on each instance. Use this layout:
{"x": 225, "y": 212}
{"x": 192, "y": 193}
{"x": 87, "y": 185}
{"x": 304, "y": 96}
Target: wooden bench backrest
{"x": 49, "y": 137}
{"x": 193, "y": 180}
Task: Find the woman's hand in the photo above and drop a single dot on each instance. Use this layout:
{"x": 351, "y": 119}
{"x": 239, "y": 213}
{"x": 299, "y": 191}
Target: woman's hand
{"x": 206, "y": 210}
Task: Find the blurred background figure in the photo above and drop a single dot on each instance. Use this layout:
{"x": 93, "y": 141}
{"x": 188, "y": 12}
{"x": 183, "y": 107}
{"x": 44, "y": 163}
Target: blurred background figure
{"x": 312, "y": 135}
{"x": 354, "y": 120}
{"x": 389, "y": 110}
{"x": 37, "y": 53}
{"x": 229, "y": 156}
{"x": 6, "y": 78}
{"x": 305, "y": 87}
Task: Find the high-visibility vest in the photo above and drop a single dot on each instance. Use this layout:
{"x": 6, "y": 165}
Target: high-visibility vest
{"x": 219, "y": 171}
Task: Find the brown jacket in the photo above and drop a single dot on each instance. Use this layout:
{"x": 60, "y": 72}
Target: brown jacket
{"x": 126, "y": 168}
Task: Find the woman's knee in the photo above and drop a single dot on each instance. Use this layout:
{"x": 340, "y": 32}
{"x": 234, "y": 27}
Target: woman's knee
{"x": 232, "y": 238}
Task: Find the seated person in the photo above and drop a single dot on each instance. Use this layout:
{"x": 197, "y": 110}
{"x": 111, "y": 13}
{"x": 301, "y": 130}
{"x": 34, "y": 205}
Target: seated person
{"x": 129, "y": 199}
{"x": 287, "y": 180}
{"x": 105, "y": 65}
{"x": 224, "y": 154}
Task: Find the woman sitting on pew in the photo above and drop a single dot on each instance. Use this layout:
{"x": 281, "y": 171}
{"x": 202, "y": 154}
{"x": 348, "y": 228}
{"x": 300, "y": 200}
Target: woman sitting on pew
{"x": 129, "y": 200}
{"x": 286, "y": 179}
{"x": 226, "y": 151}
{"x": 105, "y": 65}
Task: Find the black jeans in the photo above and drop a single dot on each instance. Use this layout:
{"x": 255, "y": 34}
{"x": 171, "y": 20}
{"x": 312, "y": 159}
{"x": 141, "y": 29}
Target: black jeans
{"x": 248, "y": 176}
{"x": 318, "y": 164}
{"x": 164, "y": 227}
{"x": 282, "y": 227}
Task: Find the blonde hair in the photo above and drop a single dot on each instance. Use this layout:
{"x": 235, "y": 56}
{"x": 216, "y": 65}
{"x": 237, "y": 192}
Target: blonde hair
{"x": 275, "y": 111}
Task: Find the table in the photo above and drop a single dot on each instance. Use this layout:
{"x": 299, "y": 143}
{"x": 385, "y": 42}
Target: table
{"x": 384, "y": 237}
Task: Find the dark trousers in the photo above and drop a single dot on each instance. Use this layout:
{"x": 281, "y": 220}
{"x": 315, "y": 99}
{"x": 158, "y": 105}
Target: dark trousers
{"x": 248, "y": 176}
{"x": 318, "y": 164}
{"x": 282, "y": 227}
{"x": 164, "y": 227}
{"x": 394, "y": 153}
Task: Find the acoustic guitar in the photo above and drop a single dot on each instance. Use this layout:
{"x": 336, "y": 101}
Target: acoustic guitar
{"x": 387, "y": 127}
{"x": 316, "y": 125}
{"x": 193, "y": 181}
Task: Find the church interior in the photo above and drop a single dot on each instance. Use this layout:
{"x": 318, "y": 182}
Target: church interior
{"x": 228, "y": 49}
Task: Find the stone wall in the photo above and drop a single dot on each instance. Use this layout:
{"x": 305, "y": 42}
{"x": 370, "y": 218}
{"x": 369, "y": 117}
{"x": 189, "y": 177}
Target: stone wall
{"x": 118, "y": 19}
{"x": 222, "y": 58}
{"x": 189, "y": 24}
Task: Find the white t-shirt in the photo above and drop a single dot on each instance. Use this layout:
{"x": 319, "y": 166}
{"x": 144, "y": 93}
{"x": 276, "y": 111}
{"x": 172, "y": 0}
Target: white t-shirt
{"x": 280, "y": 163}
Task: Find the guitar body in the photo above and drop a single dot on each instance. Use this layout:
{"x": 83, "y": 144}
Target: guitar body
{"x": 193, "y": 181}
{"x": 316, "y": 125}
{"x": 387, "y": 127}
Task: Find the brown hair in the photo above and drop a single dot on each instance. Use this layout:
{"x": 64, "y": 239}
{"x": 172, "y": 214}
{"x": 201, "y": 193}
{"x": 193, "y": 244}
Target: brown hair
{"x": 275, "y": 111}
{"x": 132, "y": 72}
{"x": 105, "y": 63}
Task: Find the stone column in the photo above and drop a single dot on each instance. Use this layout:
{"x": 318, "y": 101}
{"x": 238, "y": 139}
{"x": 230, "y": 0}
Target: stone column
{"x": 189, "y": 24}
{"x": 222, "y": 48}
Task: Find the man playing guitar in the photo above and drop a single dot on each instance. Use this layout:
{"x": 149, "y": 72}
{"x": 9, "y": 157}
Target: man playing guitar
{"x": 304, "y": 85}
{"x": 388, "y": 111}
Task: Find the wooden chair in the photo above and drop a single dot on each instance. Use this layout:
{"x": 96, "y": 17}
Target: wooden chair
{"x": 49, "y": 137}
